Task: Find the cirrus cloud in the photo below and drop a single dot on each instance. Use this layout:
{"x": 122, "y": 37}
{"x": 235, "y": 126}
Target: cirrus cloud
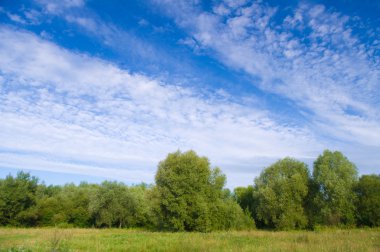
{"x": 62, "y": 108}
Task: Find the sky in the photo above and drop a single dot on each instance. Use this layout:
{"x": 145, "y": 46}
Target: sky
{"x": 104, "y": 90}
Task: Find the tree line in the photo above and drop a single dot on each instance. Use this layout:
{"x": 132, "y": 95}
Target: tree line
{"x": 190, "y": 195}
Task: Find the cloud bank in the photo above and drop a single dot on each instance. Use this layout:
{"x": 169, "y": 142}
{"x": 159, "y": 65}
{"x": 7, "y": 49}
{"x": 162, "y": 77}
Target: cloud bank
{"x": 70, "y": 111}
{"x": 311, "y": 56}
{"x": 73, "y": 113}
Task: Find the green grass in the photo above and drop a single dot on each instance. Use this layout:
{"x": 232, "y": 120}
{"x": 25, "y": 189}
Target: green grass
{"x": 50, "y": 239}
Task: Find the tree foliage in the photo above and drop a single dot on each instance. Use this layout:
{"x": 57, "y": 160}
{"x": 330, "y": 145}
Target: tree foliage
{"x": 334, "y": 177}
{"x": 244, "y": 196}
{"x": 17, "y": 195}
{"x": 368, "y": 193}
{"x": 115, "y": 204}
{"x": 281, "y": 193}
{"x": 191, "y": 196}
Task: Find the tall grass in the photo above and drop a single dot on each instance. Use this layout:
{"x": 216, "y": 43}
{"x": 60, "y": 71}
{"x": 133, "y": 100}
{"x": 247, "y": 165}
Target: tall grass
{"x": 49, "y": 239}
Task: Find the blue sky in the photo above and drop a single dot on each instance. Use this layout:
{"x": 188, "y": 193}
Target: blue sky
{"x": 94, "y": 90}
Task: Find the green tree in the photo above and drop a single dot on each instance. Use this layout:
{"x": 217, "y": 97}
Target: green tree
{"x": 334, "y": 177}
{"x": 368, "y": 192}
{"x": 191, "y": 196}
{"x": 281, "y": 191}
{"x": 143, "y": 208}
{"x": 67, "y": 205}
{"x": 17, "y": 195}
{"x": 114, "y": 205}
{"x": 183, "y": 184}
{"x": 244, "y": 197}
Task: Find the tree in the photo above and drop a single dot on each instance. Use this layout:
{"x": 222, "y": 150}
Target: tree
{"x": 281, "y": 191}
{"x": 244, "y": 197}
{"x": 183, "y": 183}
{"x": 17, "y": 195}
{"x": 114, "y": 204}
{"x": 334, "y": 177}
{"x": 191, "y": 196}
{"x": 67, "y": 205}
{"x": 368, "y": 193}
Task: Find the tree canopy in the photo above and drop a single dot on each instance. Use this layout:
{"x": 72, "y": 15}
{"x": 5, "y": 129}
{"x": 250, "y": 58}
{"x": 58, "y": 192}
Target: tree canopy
{"x": 368, "y": 193}
{"x": 334, "y": 178}
{"x": 17, "y": 195}
{"x": 191, "y": 196}
{"x": 281, "y": 191}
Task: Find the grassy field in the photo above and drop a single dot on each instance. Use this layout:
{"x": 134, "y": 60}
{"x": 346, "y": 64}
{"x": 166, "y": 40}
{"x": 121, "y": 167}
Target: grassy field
{"x": 50, "y": 239}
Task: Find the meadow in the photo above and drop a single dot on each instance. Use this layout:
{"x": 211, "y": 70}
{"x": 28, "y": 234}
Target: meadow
{"x": 74, "y": 239}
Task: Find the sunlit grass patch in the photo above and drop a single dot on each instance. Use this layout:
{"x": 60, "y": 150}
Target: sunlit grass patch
{"x": 52, "y": 239}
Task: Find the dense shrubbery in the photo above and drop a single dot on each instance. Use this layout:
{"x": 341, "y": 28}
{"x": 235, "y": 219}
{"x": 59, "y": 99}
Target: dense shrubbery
{"x": 189, "y": 195}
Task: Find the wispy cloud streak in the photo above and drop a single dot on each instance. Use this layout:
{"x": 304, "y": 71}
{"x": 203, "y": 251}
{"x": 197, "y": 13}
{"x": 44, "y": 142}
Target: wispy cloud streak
{"x": 64, "y": 108}
{"x": 311, "y": 56}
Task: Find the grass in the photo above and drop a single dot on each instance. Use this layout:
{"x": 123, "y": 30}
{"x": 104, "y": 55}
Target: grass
{"x": 51, "y": 239}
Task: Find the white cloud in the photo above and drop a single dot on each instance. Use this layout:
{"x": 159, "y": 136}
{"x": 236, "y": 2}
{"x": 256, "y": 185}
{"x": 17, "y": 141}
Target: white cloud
{"x": 136, "y": 51}
{"x": 60, "y": 6}
{"x": 327, "y": 70}
{"x": 41, "y": 163}
{"x": 70, "y": 110}
{"x": 16, "y": 18}
{"x": 26, "y": 17}
{"x": 143, "y": 22}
